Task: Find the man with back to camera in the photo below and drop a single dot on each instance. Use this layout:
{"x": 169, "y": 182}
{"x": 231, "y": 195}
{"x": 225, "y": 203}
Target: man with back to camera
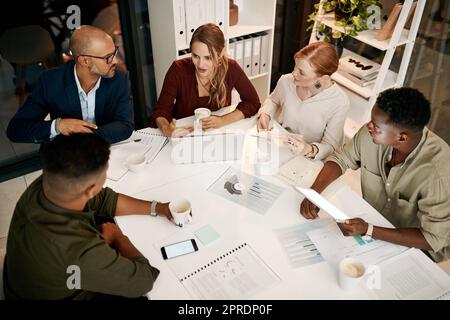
{"x": 405, "y": 174}
{"x": 56, "y": 228}
{"x": 84, "y": 95}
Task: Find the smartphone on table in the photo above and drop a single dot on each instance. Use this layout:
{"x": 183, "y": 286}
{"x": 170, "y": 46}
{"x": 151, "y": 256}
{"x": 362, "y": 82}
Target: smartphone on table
{"x": 179, "y": 249}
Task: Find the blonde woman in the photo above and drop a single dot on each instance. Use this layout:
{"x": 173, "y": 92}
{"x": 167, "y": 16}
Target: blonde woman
{"x": 204, "y": 80}
{"x": 309, "y": 103}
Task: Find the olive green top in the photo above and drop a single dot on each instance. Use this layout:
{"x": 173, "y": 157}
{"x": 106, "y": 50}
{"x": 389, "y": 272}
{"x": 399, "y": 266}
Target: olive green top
{"x": 415, "y": 194}
{"x": 47, "y": 244}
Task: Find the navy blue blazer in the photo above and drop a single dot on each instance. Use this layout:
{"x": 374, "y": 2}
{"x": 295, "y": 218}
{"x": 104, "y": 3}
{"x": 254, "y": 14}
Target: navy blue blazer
{"x": 56, "y": 94}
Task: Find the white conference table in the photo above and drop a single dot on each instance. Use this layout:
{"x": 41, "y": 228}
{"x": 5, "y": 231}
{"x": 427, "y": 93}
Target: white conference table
{"x": 164, "y": 181}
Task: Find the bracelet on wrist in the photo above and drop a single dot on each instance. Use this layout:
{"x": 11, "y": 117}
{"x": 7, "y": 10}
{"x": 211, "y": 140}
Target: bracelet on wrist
{"x": 314, "y": 150}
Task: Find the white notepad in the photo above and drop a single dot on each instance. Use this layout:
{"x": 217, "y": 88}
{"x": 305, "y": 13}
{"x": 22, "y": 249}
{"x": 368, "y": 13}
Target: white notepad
{"x": 236, "y": 274}
{"x": 152, "y": 141}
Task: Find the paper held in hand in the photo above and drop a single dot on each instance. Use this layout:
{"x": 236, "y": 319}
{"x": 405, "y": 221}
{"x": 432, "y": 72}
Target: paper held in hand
{"x": 323, "y": 204}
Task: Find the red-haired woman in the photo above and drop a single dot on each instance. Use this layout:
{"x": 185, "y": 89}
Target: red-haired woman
{"x": 204, "y": 80}
{"x": 307, "y": 102}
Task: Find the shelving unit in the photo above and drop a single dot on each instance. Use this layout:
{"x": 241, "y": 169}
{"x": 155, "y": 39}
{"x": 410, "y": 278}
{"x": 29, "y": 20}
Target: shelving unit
{"x": 255, "y": 16}
{"x": 361, "y": 98}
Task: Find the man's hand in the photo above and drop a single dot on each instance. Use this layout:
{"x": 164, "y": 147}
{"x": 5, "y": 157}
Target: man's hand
{"x": 212, "y": 122}
{"x": 69, "y": 126}
{"x": 263, "y": 122}
{"x": 308, "y": 209}
{"x": 353, "y": 227}
{"x": 162, "y": 209}
{"x": 172, "y": 131}
{"x": 110, "y": 232}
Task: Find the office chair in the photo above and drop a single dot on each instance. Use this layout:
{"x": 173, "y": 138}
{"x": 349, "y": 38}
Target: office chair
{"x": 24, "y": 46}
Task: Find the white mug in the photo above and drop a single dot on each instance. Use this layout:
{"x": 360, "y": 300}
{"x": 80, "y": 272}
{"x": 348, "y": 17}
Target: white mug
{"x": 136, "y": 162}
{"x": 181, "y": 212}
{"x": 351, "y": 272}
{"x": 200, "y": 113}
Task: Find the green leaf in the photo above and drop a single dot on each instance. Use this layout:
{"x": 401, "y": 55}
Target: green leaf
{"x": 322, "y": 27}
{"x": 352, "y": 32}
{"x": 341, "y": 23}
{"x": 336, "y": 34}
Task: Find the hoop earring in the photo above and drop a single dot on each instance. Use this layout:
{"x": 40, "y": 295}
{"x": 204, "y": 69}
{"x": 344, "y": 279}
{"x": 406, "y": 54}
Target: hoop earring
{"x": 317, "y": 85}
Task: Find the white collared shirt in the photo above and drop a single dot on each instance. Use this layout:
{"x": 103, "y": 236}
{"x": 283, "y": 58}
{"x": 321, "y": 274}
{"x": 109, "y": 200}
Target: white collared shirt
{"x": 87, "y": 102}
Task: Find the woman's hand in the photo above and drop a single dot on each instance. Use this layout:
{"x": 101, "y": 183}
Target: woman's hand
{"x": 296, "y": 144}
{"x": 172, "y": 131}
{"x": 263, "y": 122}
{"x": 212, "y": 122}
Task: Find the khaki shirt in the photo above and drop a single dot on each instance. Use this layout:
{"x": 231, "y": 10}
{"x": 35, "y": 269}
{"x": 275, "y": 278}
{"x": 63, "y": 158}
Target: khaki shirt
{"x": 415, "y": 194}
{"x": 45, "y": 240}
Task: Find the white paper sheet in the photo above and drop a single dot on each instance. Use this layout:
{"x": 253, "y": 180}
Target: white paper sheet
{"x": 323, "y": 204}
{"x": 299, "y": 171}
{"x": 334, "y": 246}
{"x": 246, "y": 190}
{"x": 411, "y": 275}
{"x": 299, "y": 248}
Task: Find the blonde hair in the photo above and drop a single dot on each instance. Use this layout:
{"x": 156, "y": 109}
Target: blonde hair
{"x": 322, "y": 56}
{"x": 211, "y": 35}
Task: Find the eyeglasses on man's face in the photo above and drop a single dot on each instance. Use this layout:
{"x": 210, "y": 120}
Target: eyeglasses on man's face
{"x": 359, "y": 64}
{"x": 109, "y": 58}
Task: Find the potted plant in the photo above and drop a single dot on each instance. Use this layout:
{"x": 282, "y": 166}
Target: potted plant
{"x": 349, "y": 14}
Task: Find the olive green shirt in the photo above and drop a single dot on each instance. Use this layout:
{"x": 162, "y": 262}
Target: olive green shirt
{"x": 46, "y": 241}
{"x": 415, "y": 194}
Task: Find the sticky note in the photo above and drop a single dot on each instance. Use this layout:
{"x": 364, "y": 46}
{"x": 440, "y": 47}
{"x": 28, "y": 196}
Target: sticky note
{"x": 207, "y": 234}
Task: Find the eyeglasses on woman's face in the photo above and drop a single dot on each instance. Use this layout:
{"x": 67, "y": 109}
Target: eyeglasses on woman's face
{"x": 108, "y": 58}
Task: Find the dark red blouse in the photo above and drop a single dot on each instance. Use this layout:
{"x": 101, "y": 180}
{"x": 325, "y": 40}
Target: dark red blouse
{"x": 179, "y": 95}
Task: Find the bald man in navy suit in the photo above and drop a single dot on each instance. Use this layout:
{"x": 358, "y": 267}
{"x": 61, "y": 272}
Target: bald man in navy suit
{"x": 85, "y": 95}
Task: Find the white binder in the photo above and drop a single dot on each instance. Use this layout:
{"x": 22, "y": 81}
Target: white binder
{"x": 196, "y": 12}
{"x": 256, "y": 51}
{"x": 248, "y": 42}
{"x": 210, "y": 11}
{"x": 239, "y": 54}
{"x": 265, "y": 54}
{"x": 220, "y": 10}
{"x": 180, "y": 24}
{"x": 232, "y": 49}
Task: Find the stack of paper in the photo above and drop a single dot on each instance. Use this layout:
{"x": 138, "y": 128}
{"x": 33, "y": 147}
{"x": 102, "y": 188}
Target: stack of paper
{"x": 358, "y": 69}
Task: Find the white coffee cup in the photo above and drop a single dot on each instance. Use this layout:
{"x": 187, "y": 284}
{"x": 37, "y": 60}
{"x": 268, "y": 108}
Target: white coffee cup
{"x": 136, "y": 162}
{"x": 181, "y": 212}
{"x": 200, "y": 113}
{"x": 351, "y": 272}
